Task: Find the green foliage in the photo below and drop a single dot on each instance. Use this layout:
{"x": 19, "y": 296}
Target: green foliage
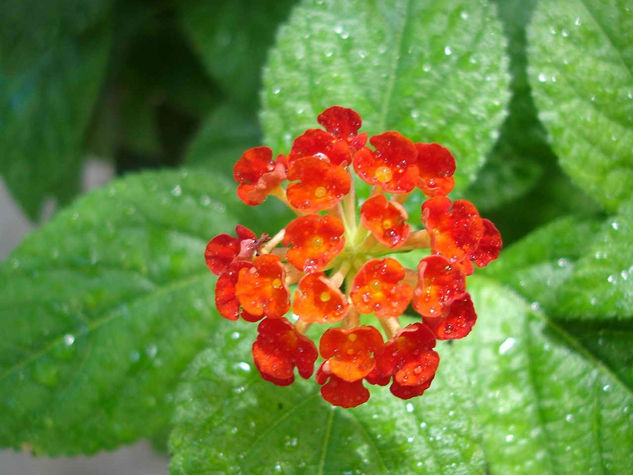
{"x": 581, "y": 58}
{"x": 44, "y": 110}
{"x": 232, "y": 38}
{"x": 104, "y": 307}
{"x": 436, "y": 72}
{"x": 501, "y": 402}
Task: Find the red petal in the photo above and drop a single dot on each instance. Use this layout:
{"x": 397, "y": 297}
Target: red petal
{"x": 321, "y": 184}
{"x": 407, "y": 392}
{"x": 387, "y": 220}
{"x": 377, "y": 288}
{"x": 436, "y": 165}
{"x": 489, "y": 246}
{"x": 223, "y": 249}
{"x": 340, "y": 122}
{"x": 458, "y": 323}
{"x": 339, "y": 392}
{"x": 439, "y": 284}
{"x": 225, "y": 299}
{"x": 254, "y": 163}
{"x": 320, "y": 143}
{"x": 316, "y": 300}
{"x": 315, "y": 241}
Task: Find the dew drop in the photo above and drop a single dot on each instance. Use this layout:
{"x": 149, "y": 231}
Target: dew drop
{"x": 235, "y": 335}
{"x": 176, "y": 191}
{"x": 448, "y": 51}
{"x": 606, "y": 388}
{"x": 464, "y": 15}
{"x": 507, "y": 344}
{"x": 569, "y": 418}
{"x": 509, "y": 438}
{"x": 542, "y": 77}
{"x": 69, "y": 339}
{"x": 426, "y": 67}
{"x": 409, "y": 407}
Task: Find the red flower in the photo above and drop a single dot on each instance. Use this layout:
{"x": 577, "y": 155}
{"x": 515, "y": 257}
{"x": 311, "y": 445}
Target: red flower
{"x": 261, "y": 289}
{"x": 226, "y": 301}
{"x": 321, "y": 184}
{"x": 439, "y": 284}
{"x": 377, "y": 288}
{"x": 258, "y": 174}
{"x": 409, "y": 357}
{"x": 458, "y": 321}
{"x": 387, "y": 220}
{"x": 341, "y": 122}
{"x": 319, "y": 143}
{"x": 436, "y": 165}
{"x": 350, "y": 354}
{"x": 279, "y": 348}
{"x": 455, "y": 234}
{"x": 316, "y": 300}
{"x": 393, "y": 165}
{"x": 224, "y": 249}
{"x": 315, "y": 240}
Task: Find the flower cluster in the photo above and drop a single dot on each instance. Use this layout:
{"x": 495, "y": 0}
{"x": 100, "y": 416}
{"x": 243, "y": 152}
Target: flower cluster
{"x": 340, "y": 258}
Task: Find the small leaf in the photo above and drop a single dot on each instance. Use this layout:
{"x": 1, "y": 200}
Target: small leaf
{"x": 232, "y": 39}
{"x": 103, "y": 308}
{"x": 44, "y": 111}
{"x": 222, "y": 139}
{"x": 436, "y": 72}
{"x": 519, "y": 395}
{"x": 581, "y": 63}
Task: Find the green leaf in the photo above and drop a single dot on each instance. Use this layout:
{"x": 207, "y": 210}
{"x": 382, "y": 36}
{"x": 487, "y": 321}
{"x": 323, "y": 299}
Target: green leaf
{"x": 29, "y": 28}
{"x": 436, "y": 72}
{"x": 222, "y": 139}
{"x": 581, "y": 63}
{"x": 538, "y": 265}
{"x": 103, "y": 308}
{"x": 44, "y": 111}
{"x": 232, "y": 39}
{"x": 601, "y": 284}
{"x": 519, "y": 395}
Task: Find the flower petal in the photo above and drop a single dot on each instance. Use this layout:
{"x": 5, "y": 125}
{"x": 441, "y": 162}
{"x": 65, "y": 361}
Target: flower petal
{"x": 315, "y": 241}
{"x": 439, "y": 283}
{"x": 261, "y": 289}
{"x": 436, "y": 165}
{"x": 351, "y": 353}
{"x": 317, "y": 301}
{"x": 321, "y": 184}
{"x": 387, "y": 220}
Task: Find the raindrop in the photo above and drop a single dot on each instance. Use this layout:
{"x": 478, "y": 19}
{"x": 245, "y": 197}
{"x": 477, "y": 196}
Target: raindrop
{"x": 422, "y": 425}
{"x": 176, "y": 190}
{"x": 569, "y": 418}
{"x": 151, "y": 350}
{"x": 577, "y": 21}
{"x": 611, "y": 279}
{"x": 448, "y": 51}
{"x": 464, "y": 15}
{"x": 409, "y": 407}
{"x": 606, "y": 388}
{"x": 615, "y": 225}
{"x": 276, "y": 90}
{"x": 562, "y": 262}
{"x": 509, "y": 438}
{"x": 506, "y": 345}
{"x": 410, "y": 439}
{"x": 69, "y": 339}
{"x": 244, "y": 366}
{"x": 426, "y": 67}
{"x": 542, "y": 77}
{"x": 415, "y": 114}
{"x": 564, "y": 32}
{"x": 235, "y": 335}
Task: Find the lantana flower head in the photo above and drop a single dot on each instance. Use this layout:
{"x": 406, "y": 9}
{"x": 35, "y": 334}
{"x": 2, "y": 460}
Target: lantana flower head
{"x": 337, "y": 260}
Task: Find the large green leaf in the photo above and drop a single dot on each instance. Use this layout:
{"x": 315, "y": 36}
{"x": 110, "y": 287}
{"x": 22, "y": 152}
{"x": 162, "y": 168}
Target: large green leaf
{"x": 232, "y": 39}
{"x": 103, "y": 308}
{"x": 581, "y": 63}
{"x": 434, "y": 71}
{"x": 575, "y": 268}
{"x": 519, "y": 395}
{"x": 44, "y": 111}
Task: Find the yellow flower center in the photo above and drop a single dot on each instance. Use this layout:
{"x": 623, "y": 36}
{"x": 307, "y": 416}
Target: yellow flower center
{"x": 383, "y": 174}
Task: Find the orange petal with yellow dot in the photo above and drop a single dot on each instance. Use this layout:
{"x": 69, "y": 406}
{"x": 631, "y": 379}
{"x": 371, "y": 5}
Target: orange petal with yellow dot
{"x": 378, "y": 288}
{"x": 315, "y": 240}
{"x": 261, "y": 289}
{"x": 279, "y": 348}
{"x": 351, "y": 353}
{"x": 387, "y": 220}
{"x": 436, "y": 165}
{"x": 317, "y": 301}
{"x": 321, "y": 184}
{"x": 393, "y": 165}
{"x": 439, "y": 283}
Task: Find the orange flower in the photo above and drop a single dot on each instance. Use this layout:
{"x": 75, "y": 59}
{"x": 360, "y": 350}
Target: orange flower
{"x": 439, "y": 284}
{"x": 457, "y": 323}
{"x": 392, "y": 166}
{"x": 378, "y": 289}
{"x": 261, "y": 289}
{"x": 321, "y": 184}
{"x": 279, "y": 348}
{"x": 387, "y": 220}
{"x": 315, "y": 240}
{"x": 436, "y": 166}
{"x": 350, "y": 354}
{"x": 317, "y": 301}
